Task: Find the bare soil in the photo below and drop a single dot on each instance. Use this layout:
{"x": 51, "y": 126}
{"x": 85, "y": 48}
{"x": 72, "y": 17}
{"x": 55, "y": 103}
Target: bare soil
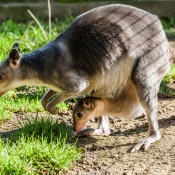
{"x": 111, "y": 155}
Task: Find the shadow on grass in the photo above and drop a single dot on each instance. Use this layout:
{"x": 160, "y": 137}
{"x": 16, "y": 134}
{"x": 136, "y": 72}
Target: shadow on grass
{"x": 44, "y": 127}
{"x": 39, "y": 146}
{"x": 40, "y": 127}
{"x": 32, "y": 93}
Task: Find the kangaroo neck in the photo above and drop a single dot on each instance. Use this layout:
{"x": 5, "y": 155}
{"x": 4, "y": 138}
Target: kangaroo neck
{"x": 38, "y": 64}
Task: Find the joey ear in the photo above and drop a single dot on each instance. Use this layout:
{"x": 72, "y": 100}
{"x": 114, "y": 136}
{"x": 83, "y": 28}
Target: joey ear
{"x": 14, "y": 58}
{"x": 87, "y": 102}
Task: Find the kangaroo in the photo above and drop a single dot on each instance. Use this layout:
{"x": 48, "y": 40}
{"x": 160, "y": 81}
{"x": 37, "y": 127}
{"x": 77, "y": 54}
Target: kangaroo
{"x": 101, "y": 52}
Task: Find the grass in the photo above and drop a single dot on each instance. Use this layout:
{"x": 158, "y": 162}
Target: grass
{"x": 28, "y": 35}
{"x": 39, "y": 147}
{"x": 169, "y": 26}
{"x": 170, "y": 76}
{"x": 167, "y": 88}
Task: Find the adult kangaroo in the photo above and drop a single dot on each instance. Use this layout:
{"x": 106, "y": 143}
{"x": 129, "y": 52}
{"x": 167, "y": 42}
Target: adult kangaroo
{"x": 102, "y": 51}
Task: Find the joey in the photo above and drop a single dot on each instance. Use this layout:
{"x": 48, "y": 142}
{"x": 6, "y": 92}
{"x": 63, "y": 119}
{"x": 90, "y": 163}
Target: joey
{"x": 101, "y": 52}
{"x": 126, "y": 106}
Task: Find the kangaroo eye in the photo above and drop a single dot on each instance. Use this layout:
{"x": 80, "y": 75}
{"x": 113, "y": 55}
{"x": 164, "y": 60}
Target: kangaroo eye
{"x": 1, "y": 76}
{"x": 79, "y": 114}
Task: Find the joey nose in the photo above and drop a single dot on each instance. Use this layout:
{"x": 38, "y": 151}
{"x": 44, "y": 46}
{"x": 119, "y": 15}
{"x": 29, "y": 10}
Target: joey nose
{"x": 75, "y": 128}
{"x": 79, "y": 127}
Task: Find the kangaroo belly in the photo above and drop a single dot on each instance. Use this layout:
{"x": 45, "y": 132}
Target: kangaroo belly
{"x": 130, "y": 112}
{"x": 127, "y": 106}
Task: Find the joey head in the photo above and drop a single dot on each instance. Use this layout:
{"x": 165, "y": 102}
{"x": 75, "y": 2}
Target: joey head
{"x": 101, "y": 52}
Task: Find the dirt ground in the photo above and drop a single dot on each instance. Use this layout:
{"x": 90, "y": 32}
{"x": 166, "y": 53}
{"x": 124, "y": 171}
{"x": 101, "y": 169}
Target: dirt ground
{"x": 110, "y": 155}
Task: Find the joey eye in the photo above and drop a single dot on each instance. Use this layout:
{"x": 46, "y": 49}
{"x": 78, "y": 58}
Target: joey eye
{"x": 1, "y": 76}
{"x": 79, "y": 114}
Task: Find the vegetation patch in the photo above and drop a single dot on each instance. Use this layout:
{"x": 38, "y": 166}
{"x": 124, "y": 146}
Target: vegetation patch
{"x": 167, "y": 87}
{"x": 39, "y": 147}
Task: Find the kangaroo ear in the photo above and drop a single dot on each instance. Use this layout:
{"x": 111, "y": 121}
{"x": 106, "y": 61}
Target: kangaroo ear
{"x": 14, "y": 56}
{"x": 16, "y": 46}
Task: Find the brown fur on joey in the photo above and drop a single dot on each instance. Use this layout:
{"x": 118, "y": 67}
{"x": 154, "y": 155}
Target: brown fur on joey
{"x": 80, "y": 115}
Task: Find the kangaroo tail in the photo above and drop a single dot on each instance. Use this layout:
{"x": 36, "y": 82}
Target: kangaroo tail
{"x": 172, "y": 55}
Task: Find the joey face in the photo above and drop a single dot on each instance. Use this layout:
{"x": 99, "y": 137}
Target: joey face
{"x": 84, "y": 110}
{"x": 9, "y": 69}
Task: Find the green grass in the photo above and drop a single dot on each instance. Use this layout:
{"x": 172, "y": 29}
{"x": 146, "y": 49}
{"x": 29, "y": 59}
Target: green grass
{"x": 39, "y": 147}
{"x": 24, "y": 99}
{"x": 28, "y": 35}
{"x": 169, "y": 26}
{"x": 167, "y": 87}
{"x": 170, "y": 76}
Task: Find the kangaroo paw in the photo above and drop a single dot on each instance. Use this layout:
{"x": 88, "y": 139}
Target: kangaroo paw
{"x": 145, "y": 143}
{"x": 53, "y": 111}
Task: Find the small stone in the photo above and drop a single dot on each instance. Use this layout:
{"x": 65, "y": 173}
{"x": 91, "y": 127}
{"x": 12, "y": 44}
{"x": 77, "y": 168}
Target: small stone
{"x": 83, "y": 150}
{"x": 83, "y": 161}
{"x": 94, "y": 147}
{"x": 104, "y": 164}
{"x": 95, "y": 163}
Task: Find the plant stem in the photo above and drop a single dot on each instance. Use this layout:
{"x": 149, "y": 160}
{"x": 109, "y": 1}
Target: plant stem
{"x": 44, "y": 33}
{"x": 49, "y": 13}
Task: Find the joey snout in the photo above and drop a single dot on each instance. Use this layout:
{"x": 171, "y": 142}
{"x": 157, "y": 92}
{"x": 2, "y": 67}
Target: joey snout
{"x": 79, "y": 126}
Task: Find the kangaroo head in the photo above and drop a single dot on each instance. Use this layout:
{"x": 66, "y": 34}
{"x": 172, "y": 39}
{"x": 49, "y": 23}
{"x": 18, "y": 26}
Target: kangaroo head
{"x": 84, "y": 109}
{"x": 9, "y": 70}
